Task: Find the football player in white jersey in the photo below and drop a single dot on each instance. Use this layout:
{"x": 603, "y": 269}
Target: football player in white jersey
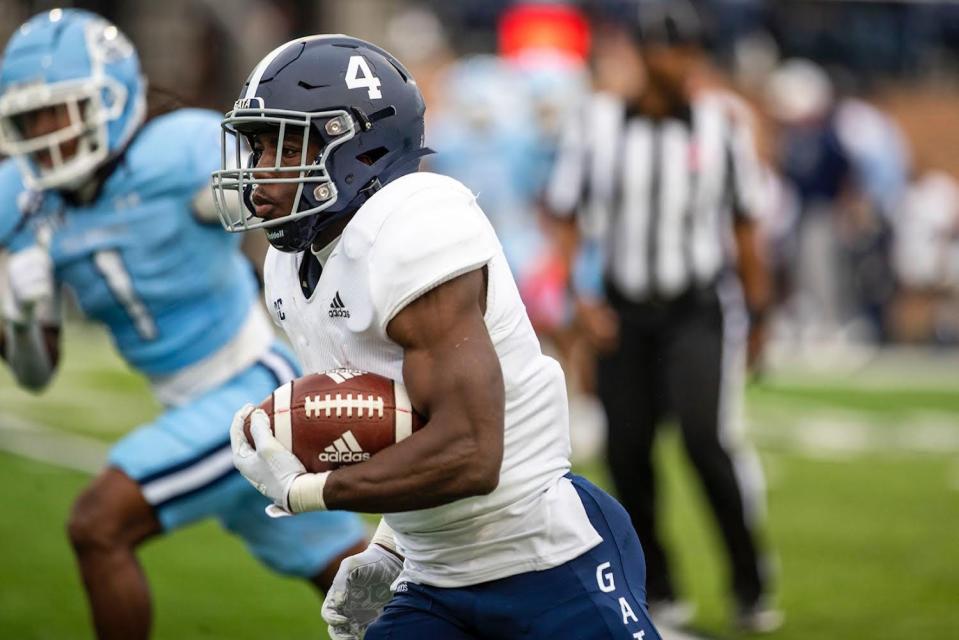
{"x": 375, "y": 266}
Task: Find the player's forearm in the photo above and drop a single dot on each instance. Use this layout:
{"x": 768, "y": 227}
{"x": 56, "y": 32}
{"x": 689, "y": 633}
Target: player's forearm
{"x": 427, "y": 470}
{"x": 457, "y": 454}
{"x": 32, "y": 352}
{"x": 452, "y": 375}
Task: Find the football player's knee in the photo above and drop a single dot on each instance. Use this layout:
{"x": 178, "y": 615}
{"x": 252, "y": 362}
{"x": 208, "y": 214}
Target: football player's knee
{"x": 95, "y": 524}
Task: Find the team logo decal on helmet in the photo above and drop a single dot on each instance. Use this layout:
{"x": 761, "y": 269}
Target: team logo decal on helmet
{"x": 355, "y": 102}
{"x": 82, "y": 68}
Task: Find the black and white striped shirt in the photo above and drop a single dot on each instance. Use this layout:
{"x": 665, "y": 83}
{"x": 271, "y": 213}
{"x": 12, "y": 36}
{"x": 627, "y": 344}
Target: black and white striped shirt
{"x": 659, "y": 195}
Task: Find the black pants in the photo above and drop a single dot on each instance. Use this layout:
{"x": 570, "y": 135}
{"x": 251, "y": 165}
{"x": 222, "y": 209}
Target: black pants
{"x": 671, "y": 359}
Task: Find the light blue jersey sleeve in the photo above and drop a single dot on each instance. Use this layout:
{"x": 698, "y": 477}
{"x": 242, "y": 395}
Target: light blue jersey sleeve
{"x": 175, "y": 154}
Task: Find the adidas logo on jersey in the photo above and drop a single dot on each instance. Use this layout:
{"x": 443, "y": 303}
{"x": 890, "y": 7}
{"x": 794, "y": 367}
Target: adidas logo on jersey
{"x": 344, "y": 450}
{"x": 337, "y": 308}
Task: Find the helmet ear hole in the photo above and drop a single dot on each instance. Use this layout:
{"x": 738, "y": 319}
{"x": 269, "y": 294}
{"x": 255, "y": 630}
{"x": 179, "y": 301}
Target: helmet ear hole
{"x": 371, "y": 156}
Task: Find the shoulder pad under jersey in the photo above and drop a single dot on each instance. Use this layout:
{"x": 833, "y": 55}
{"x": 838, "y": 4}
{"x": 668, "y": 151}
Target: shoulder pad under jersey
{"x": 413, "y": 235}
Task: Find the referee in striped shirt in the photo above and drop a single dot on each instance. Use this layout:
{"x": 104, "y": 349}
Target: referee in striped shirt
{"x": 665, "y": 183}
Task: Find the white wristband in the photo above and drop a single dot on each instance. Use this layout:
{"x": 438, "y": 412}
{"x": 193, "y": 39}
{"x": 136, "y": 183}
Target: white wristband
{"x": 306, "y": 492}
{"x": 384, "y": 536}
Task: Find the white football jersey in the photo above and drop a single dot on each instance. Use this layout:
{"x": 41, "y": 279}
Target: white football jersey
{"x": 416, "y": 233}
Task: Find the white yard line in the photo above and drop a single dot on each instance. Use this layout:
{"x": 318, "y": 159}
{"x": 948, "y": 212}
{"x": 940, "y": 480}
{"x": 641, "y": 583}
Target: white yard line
{"x": 835, "y": 434}
{"x": 862, "y": 367}
{"x": 841, "y": 433}
{"x": 53, "y": 446}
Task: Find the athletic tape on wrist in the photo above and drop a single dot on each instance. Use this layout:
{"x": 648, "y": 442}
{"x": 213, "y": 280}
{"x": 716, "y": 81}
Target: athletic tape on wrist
{"x": 306, "y": 492}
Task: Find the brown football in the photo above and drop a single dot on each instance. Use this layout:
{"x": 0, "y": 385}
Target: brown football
{"x": 339, "y": 417}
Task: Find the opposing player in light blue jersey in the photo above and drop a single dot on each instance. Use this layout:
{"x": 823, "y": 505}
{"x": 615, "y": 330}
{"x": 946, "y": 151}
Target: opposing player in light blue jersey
{"x": 119, "y": 211}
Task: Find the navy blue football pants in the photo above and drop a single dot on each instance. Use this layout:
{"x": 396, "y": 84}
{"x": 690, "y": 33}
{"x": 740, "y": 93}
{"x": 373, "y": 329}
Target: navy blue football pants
{"x": 599, "y": 595}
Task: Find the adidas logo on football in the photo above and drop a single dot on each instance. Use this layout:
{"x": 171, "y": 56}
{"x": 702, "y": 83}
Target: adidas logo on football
{"x": 337, "y": 308}
{"x": 344, "y": 450}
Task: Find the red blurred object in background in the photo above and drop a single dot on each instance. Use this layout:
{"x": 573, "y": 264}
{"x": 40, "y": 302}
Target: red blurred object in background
{"x": 532, "y": 27}
{"x": 543, "y": 291}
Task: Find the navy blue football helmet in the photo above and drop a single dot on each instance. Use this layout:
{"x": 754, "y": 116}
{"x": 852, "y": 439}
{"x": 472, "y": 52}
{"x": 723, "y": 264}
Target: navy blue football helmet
{"x": 355, "y": 98}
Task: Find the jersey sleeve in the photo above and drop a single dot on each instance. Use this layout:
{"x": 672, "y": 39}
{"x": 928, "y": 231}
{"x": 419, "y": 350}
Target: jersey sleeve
{"x": 183, "y": 169}
{"x": 205, "y": 159}
{"x": 435, "y": 235}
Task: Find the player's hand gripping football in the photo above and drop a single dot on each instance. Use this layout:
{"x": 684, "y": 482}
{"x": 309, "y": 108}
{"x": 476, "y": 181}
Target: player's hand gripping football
{"x": 271, "y": 468}
{"x": 359, "y": 592}
{"x": 30, "y": 278}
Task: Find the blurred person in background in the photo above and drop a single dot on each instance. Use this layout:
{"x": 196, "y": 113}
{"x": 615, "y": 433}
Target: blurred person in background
{"x": 848, "y": 162}
{"x": 880, "y": 158}
{"x": 495, "y": 126}
{"x": 800, "y": 98}
{"x": 97, "y": 199}
{"x": 496, "y": 129}
{"x": 665, "y": 181}
{"x": 926, "y": 258}
{"x": 428, "y": 56}
{"x": 485, "y": 136}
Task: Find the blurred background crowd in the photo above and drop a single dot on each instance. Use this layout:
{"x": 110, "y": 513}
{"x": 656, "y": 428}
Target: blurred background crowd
{"x": 853, "y": 106}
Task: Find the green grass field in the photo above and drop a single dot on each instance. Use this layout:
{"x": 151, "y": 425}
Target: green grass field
{"x": 863, "y": 515}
